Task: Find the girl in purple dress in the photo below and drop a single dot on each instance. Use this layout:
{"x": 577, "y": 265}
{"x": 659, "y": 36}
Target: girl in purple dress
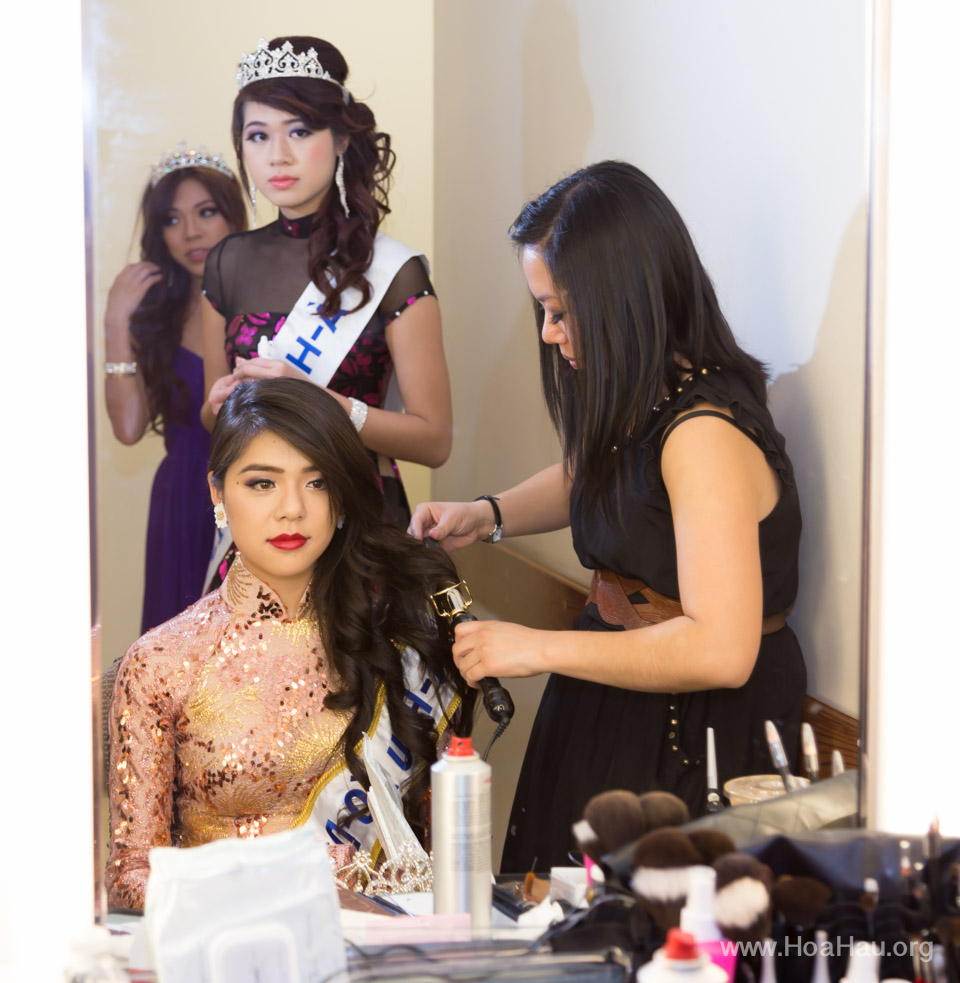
{"x": 321, "y": 294}
{"x": 154, "y": 369}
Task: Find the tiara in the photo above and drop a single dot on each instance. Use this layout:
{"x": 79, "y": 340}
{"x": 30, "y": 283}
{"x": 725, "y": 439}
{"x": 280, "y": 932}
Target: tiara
{"x": 283, "y": 62}
{"x": 176, "y": 160}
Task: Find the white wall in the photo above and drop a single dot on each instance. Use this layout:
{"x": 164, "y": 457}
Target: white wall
{"x": 752, "y": 117}
{"x": 167, "y": 72}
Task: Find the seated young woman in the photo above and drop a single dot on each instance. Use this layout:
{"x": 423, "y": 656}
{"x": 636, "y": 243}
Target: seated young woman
{"x": 244, "y": 715}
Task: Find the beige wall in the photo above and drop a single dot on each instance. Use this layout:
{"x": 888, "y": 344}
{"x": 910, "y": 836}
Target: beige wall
{"x": 752, "y": 118}
{"x": 167, "y": 72}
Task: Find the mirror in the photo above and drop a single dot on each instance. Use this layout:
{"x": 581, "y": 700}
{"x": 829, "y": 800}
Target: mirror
{"x": 753, "y": 120}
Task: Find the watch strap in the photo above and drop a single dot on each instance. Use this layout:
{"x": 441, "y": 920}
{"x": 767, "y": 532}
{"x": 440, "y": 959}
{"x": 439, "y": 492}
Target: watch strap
{"x": 494, "y": 537}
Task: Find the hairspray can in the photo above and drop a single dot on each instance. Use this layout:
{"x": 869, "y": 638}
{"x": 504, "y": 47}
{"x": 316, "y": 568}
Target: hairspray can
{"x": 460, "y": 803}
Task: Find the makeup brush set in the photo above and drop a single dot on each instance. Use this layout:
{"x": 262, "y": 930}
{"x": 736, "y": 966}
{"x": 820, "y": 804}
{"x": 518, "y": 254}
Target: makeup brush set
{"x": 798, "y": 905}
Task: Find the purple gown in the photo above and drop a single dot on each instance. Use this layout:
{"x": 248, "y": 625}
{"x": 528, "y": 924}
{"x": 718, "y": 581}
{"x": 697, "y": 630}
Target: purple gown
{"x": 180, "y": 526}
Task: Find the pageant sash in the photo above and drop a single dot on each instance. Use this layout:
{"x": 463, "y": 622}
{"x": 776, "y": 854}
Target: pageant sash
{"x": 338, "y": 793}
{"x": 317, "y": 345}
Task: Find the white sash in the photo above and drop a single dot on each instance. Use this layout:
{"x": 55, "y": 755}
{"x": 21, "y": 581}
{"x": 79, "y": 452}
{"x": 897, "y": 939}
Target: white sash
{"x": 338, "y": 791}
{"x": 317, "y": 345}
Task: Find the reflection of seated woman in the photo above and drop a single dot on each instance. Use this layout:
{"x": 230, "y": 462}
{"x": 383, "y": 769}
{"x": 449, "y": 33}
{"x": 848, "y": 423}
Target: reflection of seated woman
{"x": 243, "y": 715}
{"x": 154, "y": 365}
{"x": 679, "y": 493}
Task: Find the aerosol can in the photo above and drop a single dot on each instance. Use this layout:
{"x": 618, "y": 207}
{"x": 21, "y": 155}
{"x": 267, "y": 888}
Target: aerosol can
{"x": 462, "y": 873}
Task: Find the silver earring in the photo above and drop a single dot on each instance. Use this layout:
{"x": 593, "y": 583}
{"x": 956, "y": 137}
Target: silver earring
{"x": 341, "y": 187}
{"x": 340, "y": 520}
{"x": 253, "y": 203}
{"x": 220, "y": 515}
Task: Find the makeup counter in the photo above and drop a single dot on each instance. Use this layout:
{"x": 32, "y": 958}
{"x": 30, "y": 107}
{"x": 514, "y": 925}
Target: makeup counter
{"x": 782, "y": 891}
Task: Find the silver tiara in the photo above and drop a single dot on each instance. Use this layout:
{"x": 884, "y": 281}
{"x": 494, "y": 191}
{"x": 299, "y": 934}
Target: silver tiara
{"x": 283, "y": 62}
{"x": 183, "y": 156}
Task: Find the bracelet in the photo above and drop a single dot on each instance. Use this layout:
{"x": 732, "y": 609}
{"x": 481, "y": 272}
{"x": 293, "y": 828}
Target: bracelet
{"x": 497, "y": 533}
{"x": 120, "y": 368}
{"x": 358, "y": 413}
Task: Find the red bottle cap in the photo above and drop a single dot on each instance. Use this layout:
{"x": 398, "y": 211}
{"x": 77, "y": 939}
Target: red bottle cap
{"x": 680, "y": 945}
{"x": 460, "y": 747}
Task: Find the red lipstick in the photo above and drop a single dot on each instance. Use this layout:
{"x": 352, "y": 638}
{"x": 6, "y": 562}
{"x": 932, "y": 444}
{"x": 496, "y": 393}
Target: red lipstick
{"x": 287, "y": 542}
{"x": 283, "y": 181}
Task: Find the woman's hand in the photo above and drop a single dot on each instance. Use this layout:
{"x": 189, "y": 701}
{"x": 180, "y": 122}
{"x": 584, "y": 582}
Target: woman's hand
{"x": 220, "y": 390}
{"x": 452, "y": 524}
{"x": 265, "y": 368}
{"x": 127, "y": 292}
{"x": 497, "y": 648}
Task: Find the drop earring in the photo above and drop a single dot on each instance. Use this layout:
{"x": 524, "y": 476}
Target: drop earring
{"x": 220, "y": 515}
{"x": 340, "y": 520}
{"x": 341, "y": 186}
{"x": 253, "y": 204}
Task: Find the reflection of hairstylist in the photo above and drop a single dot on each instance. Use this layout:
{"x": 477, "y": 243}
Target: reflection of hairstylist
{"x": 154, "y": 368}
{"x": 343, "y": 305}
{"x": 678, "y": 489}
{"x": 243, "y": 715}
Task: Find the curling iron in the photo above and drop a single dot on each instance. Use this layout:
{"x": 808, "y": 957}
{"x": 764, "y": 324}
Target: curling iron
{"x": 452, "y": 605}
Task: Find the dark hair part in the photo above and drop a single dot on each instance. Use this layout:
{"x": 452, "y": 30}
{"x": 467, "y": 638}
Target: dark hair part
{"x": 157, "y": 324}
{"x": 635, "y": 297}
{"x": 371, "y": 585}
{"x": 341, "y": 248}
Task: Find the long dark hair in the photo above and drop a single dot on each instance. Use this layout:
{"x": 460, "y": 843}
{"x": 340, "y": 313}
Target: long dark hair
{"x": 371, "y": 585}
{"x": 635, "y": 297}
{"x": 157, "y": 324}
{"x": 341, "y": 248}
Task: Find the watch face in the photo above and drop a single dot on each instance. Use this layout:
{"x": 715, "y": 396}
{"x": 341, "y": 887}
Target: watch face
{"x": 496, "y": 534}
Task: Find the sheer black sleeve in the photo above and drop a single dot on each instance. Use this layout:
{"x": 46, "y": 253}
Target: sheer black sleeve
{"x": 410, "y": 284}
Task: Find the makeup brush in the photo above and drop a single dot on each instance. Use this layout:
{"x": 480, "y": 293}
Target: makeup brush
{"x": 868, "y": 901}
{"x": 610, "y": 820}
{"x": 664, "y": 809}
{"x": 742, "y": 906}
{"x": 714, "y": 804}
{"x": 811, "y": 755}
{"x": 800, "y": 900}
{"x": 778, "y": 755}
{"x": 659, "y": 879}
{"x": 711, "y": 843}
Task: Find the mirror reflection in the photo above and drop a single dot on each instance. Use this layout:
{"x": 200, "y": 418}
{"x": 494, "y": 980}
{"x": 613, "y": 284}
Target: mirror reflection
{"x": 753, "y": 129}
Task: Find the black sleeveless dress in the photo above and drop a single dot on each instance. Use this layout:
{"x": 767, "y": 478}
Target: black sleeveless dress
{"x": 589, "y": 737}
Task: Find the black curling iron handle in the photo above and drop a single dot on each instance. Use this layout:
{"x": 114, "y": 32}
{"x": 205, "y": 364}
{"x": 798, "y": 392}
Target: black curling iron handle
{"x": 496, "y": 699}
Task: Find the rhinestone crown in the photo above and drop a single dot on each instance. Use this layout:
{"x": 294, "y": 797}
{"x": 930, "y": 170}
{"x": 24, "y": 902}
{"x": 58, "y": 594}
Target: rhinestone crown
{"x": 182, "y": 157}
{"x": 283, "y": 62}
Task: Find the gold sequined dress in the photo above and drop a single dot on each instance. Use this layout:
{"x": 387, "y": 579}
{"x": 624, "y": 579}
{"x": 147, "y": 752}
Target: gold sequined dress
{"x": 218, "y": 728}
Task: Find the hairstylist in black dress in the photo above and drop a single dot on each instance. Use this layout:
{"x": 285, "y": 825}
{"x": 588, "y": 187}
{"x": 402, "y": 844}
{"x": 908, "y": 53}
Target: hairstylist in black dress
{"x": 679, "y": 494}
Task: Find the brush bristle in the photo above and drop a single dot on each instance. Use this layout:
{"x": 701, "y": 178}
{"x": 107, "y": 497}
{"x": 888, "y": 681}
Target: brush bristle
{"x": 616, "y": 818}
{"x": 711, "y": 844}
{"x": 663, "y": 809}
{"x": 800, "y": 899}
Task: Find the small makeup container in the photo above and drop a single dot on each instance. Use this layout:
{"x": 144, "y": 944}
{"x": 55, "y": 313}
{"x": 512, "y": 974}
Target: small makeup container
{"x": 758, "y": 788}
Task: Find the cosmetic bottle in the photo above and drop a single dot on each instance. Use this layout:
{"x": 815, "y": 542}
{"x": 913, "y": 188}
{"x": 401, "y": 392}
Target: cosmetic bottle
{"x": 680, "y": 961}
{"x": 697, "y": 918}
{"x": 863, "y": 966}
{"x": 460, "y": 827}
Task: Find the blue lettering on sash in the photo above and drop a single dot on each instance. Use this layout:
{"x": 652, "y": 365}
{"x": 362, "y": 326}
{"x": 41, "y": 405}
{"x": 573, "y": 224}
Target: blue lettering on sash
{"x": 403, "y": 762}
{"x": 427, "y": 683}
{"x": 335, "y": 834}
{"x": 350, "y": 800}
{"x": 416, "y": 703}
{"x": 299, "y": 360}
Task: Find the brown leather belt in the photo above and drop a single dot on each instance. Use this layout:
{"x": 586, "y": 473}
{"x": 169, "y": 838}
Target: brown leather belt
{"x": 611, "y": 593}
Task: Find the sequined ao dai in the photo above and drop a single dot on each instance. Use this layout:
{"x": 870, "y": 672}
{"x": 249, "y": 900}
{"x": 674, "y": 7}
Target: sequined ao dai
{"x": 218, "y": 728}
